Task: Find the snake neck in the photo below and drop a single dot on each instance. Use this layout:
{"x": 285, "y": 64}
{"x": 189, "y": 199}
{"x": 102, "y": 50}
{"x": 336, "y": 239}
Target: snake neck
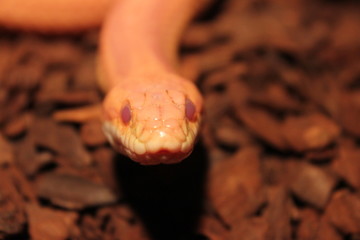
{"x": 141, "y": 37}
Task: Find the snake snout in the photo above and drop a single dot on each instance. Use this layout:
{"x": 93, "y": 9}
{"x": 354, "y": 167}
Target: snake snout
{"x": 163, "y": 139}
{"x": 158, "y": 126}
{"x": 164, "y": 142}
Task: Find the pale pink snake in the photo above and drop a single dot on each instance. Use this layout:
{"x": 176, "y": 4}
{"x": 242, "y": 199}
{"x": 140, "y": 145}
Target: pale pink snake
{"x": 151, "y": 113}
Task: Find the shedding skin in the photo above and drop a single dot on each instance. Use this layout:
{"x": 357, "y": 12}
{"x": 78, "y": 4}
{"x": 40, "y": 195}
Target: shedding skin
{"x": 150, "y": 112}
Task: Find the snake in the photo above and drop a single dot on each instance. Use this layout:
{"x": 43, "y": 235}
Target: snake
{"x": 151, "y": 113}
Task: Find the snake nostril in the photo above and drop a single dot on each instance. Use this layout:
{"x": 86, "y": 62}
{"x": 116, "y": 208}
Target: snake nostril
{"x": 126, "y": 114}
{"x": 190, "y": 109}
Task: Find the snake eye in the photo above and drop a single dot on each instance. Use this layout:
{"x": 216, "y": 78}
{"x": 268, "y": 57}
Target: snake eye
{"x": 190, "y": 109}
{"x": 126, "y": 114}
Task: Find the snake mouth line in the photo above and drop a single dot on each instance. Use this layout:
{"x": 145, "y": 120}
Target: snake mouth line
{"x": 162, "y": 156}
{"x": 155, "y": 151}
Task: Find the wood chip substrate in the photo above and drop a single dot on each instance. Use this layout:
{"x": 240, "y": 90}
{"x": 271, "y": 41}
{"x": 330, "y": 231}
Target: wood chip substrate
{"x": 278, "y": 156}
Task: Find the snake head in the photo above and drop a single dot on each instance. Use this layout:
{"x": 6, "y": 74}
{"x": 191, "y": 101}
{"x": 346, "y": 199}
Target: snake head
{"x": 153, "y": 122}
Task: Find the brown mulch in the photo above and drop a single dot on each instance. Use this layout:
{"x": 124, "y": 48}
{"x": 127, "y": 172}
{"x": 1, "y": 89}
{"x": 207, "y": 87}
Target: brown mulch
{"x": 278, "y": 156}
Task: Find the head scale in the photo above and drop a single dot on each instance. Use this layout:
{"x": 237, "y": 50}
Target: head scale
{"x": 153, "y": 125}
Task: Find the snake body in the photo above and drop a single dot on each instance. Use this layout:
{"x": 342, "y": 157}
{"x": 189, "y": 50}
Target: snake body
{"x": 151, "y": 113}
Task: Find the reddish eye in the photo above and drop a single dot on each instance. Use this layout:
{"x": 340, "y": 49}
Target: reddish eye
{"x": 126, "y": 114}
{"x": 190, "y": 109}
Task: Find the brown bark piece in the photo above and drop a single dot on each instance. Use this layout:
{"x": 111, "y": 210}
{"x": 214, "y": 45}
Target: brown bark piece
{"x": 274, "y": 171}
{"x": 25, "y": 76}
{"x": 125, "y": 230}
{"x": 219, "y": 106}
{"x": 347, "y": 30}
{"x": 327, "y": 231}
{"x": 235, "y": 186}
{"x": 62, "y": 139}
{"x": 215, "y": 58}
{"x": 18, "y": 125}
{"x": 46, "y": 223}
{"x": 277, "y": 213}
{"x": 227, "y": 79}
{"x": 238, "y": 93}
{"x": 310, "y": 132}
{"x": 80, "y": 114}
{"x": 215, "y": 152}
{"x": 14, "y": 105}
{"x": 4, "y": 95}
{"x": 322, "y": 155}
{"x": 6, "y": 151}
{"x": 71, "y": 97}
{"x": 103, "y": 157}
{"x": 92, "y": 133}
{"x": 263, "y": 125}
{"x": 122, "y": 224}
{"x": 59, "y": 52}
{"x": 212, "y": 228}
{"x": 229, "y": 133}
{"x": 54, "y": 83}
{"x": 276, "y": 97}
{"x": 310, "y": 183}
{"x": 347, "y": 164}
{"x": 343, "y": 211}
{"x": 84, "y": 77}
{"x": 349, "y": 112}
{"x": 309, "y": 225}
{"x": 6, "y": 50}
{"x": 73, "y": 192}
{"x": 28, "y": 159}
{"x": 90, "y": 228}
{"x": 23, "y": 186}
{"x": 12, "y": 218}
{"x": 253, "y": 228}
